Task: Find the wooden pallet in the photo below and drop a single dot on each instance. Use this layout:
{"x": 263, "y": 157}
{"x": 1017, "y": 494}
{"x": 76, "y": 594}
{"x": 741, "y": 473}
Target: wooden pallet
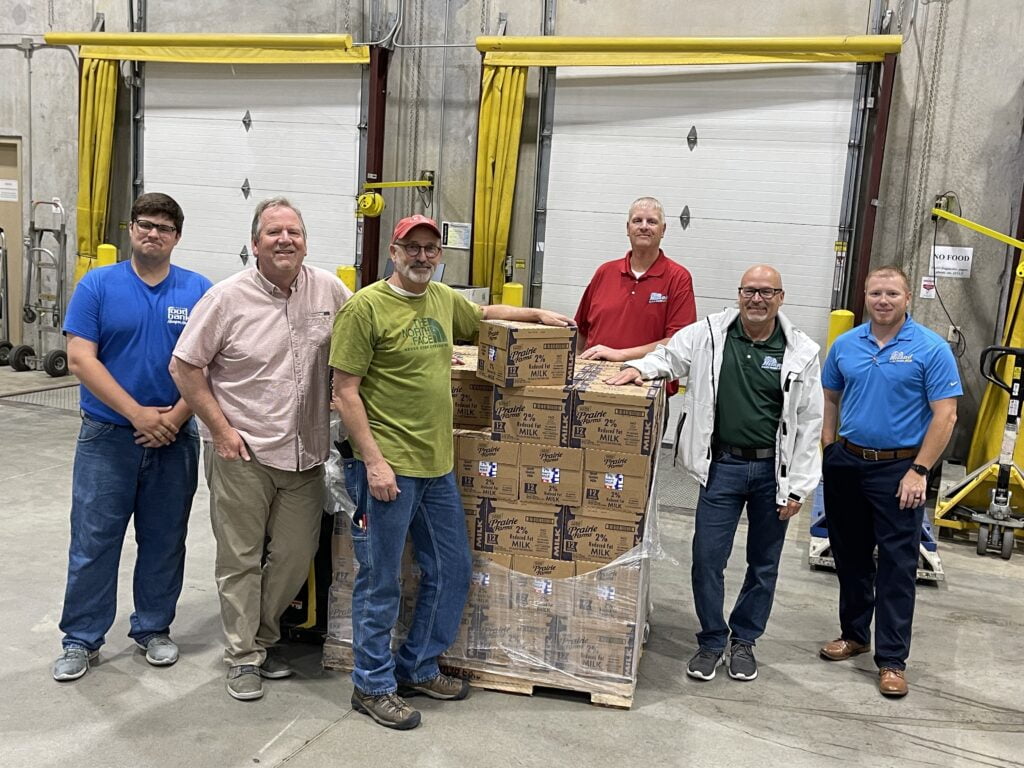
{"x": 614, "y": 695}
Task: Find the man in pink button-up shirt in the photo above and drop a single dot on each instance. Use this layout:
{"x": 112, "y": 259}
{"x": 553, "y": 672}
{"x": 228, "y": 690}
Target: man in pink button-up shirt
{"x": 252, "y": 364}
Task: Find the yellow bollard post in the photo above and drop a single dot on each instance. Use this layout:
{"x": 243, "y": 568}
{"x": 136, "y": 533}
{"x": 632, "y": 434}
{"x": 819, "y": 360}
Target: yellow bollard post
{"x": 512, "y": 294}
{"x": 839, "y": 322}
{"x": 347, "y": 275}
{"x": 106, "y": 255}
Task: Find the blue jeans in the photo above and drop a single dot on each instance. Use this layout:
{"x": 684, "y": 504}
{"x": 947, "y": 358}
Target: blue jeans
{"x": 863, "y": 512}
{"x": 733, "y": 483}
{"x": 431, "y": 510}
{"x": 113, "y": 480}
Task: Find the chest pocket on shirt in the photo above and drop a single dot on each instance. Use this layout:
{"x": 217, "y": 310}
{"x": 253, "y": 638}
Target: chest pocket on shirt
{"x": 318, "y": 328}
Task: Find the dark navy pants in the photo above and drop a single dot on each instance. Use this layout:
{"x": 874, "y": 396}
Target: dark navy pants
{"x": 862, "y": 512}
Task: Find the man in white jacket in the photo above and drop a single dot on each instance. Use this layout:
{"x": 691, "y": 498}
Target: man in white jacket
{"x": 752, "y": 410}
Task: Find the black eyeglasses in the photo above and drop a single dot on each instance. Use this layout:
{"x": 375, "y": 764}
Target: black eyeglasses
{"x": 764, "y": 293}
{"x": 413, "y": 249}
{"x": 149, "y": 226}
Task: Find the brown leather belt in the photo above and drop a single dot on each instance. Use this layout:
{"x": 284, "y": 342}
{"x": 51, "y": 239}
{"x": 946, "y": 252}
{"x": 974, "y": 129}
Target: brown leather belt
{"x": 885, "y": 454}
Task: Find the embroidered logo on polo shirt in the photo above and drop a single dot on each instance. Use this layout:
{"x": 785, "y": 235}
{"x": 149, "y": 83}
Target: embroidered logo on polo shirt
{"x": 771, "y": 364}
{"x": 900, "y": 357}
{"x": 177, "y": 315}
{"x": 657, "y": 298}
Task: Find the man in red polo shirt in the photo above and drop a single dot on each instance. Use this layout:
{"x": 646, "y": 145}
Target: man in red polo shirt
{"x": 635, "y": 303}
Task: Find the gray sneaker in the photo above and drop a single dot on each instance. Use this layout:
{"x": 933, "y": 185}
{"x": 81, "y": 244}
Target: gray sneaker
{"x": 274, "y": 667}
{"x": 703, "y": 664}
{"x": 160, "y": 650}
{"x": 244, "y": 682}
{"x": 440, "y": 687}
{"x": 742, "y": 664}
{"x": 73, "y": 663}
{"x": 388, "y": 709}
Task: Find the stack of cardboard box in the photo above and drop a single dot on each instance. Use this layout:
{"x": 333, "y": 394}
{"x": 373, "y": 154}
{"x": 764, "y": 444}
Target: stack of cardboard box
{"x": 555, "y": 468}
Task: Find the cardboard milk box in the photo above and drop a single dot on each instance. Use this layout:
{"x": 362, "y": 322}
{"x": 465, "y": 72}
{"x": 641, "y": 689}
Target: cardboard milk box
{"x": 486, "y": 468}
{"x": 623, "y": 419}
{"x": 549, "y": 474}
{"x": 532, "y": 414}
{"x": 514, "y": 354}
{"x": 471, "y": 396}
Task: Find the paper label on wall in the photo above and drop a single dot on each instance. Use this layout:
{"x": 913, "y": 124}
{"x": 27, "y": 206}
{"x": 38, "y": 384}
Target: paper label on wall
{"x": 455, "y": 234}
{"x": 952, "y": 261}
{"x": 8, "y": 190}
{"x": 927, "y": 287}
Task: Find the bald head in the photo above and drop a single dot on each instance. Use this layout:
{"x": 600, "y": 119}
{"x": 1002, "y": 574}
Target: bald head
{"x": 762, "y": 274}
{"x": 760, "y": 296}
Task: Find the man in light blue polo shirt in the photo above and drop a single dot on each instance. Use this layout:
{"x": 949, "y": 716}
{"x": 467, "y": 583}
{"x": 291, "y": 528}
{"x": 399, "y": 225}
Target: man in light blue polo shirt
{"x": 892, "y": 386}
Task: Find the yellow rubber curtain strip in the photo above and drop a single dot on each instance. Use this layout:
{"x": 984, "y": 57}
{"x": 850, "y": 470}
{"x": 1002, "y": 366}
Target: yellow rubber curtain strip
{"x": 158, "y": 39}
{"x": 186, "y": 55}
{"x": 502, "y": 99}
{"x": 215, "y": 49}
{"x": 662, "y": 51}
{"x": 980, "y": 228}
{"x": 98, "y": 98}
{"x": 875, "y": 45}
{"x": 664, "y": 59}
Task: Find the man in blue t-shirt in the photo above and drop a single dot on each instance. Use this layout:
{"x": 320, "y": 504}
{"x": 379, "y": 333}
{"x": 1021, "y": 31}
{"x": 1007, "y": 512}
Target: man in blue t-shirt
{"x": 138, "y": 449}
{"x": 890, "y": 388}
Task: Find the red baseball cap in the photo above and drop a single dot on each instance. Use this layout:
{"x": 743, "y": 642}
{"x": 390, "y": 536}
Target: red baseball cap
{"x": 403, "y": 227}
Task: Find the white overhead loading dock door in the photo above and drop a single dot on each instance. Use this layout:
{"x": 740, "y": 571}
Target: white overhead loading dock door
{"x": 762, "y": 183}
{"x": 220, "y": 138}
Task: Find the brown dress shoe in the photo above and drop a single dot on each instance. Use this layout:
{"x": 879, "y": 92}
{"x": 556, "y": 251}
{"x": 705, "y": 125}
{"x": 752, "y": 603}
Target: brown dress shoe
{"x": 891, "y": 682}
{"x": 840, "y": 649}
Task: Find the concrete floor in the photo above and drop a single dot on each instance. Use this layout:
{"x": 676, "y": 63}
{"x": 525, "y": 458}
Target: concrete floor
{"x": 966, "y": 705}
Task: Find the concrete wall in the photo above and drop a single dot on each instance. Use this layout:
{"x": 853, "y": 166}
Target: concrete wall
{"x": 956, "y": 121}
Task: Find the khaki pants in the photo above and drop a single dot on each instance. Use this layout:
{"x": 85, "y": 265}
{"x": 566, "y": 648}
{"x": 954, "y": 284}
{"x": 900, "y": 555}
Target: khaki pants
{"x": 249, "y": 504}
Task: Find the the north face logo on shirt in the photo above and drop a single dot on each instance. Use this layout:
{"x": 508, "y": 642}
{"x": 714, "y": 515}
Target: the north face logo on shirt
{"x": 177, "y": 315}
{"x": 425, "y": 332}
{"x": 771, "y": 364}
{"x": 900, "y": 357}
{"x": 657, "y": 298}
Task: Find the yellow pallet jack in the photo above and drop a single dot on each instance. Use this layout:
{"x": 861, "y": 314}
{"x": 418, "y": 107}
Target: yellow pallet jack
{"x": 997, "y": 524}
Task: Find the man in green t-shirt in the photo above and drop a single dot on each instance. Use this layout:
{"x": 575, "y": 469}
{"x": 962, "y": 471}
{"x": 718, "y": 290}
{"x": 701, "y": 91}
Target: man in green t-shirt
{"x": 391, "y": 353}
{"x": 752, "y": 410}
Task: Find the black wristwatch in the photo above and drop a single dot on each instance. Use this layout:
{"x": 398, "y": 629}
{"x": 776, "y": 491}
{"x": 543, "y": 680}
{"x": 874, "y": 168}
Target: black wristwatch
{"x": 921, "y": 469}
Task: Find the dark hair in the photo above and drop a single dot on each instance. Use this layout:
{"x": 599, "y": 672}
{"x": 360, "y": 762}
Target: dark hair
{"x": 160, "y": 204}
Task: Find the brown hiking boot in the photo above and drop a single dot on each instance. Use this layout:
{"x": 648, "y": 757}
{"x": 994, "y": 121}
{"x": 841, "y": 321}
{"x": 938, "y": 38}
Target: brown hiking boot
{"x": 841, "y": 649}
{"x": 441, "y": 687}
{"x": 388, "y": 709}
